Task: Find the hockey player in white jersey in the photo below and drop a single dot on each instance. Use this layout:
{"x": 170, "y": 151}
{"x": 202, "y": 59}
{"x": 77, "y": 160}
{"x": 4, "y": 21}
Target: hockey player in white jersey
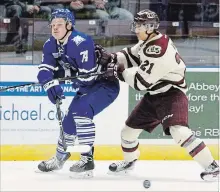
{"x": 155, "y": 66}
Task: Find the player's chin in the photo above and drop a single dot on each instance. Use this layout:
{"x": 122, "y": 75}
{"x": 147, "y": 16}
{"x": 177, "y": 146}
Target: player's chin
{"x": 57, "y": 36}
{"x": 138, "y": 36}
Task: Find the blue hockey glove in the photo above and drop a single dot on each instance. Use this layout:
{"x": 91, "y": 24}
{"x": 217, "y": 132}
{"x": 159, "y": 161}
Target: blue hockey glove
{"x": 54, "y": 90}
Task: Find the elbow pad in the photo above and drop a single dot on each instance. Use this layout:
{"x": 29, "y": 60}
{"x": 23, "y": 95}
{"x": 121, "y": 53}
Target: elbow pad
{"x": 44, "y": 76}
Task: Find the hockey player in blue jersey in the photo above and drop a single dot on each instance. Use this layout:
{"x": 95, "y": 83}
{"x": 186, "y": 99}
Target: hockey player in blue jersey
{"x": 66, "y": 53}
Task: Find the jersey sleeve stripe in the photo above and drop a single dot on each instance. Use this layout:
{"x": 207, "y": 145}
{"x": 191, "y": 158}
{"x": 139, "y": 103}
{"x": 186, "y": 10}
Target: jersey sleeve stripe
{"x": 87, "y": 79}
{"x": 127, "y": 58}
{"x": 142, "y": 81}
{"x": 164, "y": 83}
{"x": 159, "y": 86}
{"x": 135, "y": 84}
{"x": 94, "y": 69}
{"x": 175, "y": 82}
{"x": 47, "y": 66}
{"x": 137, "y": 61}
{"x": 43, "y": 68}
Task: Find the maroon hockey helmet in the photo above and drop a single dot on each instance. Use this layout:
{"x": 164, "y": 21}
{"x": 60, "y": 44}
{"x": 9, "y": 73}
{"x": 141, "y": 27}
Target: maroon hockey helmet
{"x": 146, "y": 20}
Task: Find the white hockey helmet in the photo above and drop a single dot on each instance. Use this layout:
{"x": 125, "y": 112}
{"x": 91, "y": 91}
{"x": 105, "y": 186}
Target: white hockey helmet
{"x": 145, "y": 20}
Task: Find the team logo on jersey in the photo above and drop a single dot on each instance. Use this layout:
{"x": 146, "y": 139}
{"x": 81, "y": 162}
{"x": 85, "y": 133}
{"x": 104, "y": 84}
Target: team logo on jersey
{"x": 60, "y": 50}
{"x": 78, "y": 39}
{"x": 153, "y": 49}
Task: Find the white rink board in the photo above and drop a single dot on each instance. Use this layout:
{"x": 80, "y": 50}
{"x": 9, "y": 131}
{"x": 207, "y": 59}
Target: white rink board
{"x": 31, "y": 131}
{"x": 41, "y": 130}
{"x": 38, "y": 126}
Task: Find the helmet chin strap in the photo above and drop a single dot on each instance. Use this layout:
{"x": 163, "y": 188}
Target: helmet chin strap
{"x": 149, "y": 35}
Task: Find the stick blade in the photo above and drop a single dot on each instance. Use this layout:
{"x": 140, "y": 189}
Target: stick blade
{"x": 79, "y": 148}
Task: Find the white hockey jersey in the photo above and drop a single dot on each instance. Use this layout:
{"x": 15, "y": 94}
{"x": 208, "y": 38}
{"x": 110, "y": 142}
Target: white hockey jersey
{"x": 154, "y": 65}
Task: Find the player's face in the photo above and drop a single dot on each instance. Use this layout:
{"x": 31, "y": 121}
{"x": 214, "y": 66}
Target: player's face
{"x": 140, "y": 31}
{"x": 141, "y": 35}
{"x": 58, "y": 27}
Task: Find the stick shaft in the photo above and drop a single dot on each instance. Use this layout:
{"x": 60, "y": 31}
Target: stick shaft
{"x": 60, "y": 124}
{"x": 16, "y": 86}
{"x": 59, "y": 79}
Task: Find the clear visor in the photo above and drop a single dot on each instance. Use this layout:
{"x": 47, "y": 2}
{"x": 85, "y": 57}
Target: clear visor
{"x": 137, "y": 27}
{"x": 58, "y": 17}
{"x": 57, "y": 24}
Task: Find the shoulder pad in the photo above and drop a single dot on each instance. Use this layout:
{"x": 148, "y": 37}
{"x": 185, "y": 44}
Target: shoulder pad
{"x": 78, "y": 37}
{"x": 156, "y": 48}
{"x": 49, "y": 41}
{"x": 46, "y": 42}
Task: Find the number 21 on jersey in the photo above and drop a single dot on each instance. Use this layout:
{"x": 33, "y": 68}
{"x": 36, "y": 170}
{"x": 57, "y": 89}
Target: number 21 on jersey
{"x": 145, "y": 67}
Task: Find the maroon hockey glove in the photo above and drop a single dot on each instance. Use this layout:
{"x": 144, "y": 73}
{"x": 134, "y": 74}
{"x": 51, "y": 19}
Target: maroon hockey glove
{"x": 103, "y": 57}
{"x": 114, "y": 70}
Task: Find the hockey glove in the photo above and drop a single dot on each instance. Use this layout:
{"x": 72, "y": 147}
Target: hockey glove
{"x": 103, "y": 57}
{"x": 114, "y": 70}
{"x": 51, "y": 86}
{"x": 54, "y": 91}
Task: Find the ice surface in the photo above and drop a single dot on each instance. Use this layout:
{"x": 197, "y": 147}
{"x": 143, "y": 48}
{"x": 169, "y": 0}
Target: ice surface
{"x": 164, "y": 176}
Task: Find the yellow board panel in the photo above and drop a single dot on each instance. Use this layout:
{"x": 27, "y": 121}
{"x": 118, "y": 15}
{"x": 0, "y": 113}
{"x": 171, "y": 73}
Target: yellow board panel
{"x": 102, "y": 152}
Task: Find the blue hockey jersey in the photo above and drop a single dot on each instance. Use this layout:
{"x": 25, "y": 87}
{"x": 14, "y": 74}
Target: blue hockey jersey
{"x": 75, "y": 56}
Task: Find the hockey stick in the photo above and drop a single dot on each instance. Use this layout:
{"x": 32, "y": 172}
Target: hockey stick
{"x": 58, "y": 102}
{"x": 59, "y": 79}
{"x": 74, "y": 148}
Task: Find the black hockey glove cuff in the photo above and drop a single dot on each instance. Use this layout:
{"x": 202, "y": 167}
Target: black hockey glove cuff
{"x": 113, "y": 71}
{"x": 103, "y": 57}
